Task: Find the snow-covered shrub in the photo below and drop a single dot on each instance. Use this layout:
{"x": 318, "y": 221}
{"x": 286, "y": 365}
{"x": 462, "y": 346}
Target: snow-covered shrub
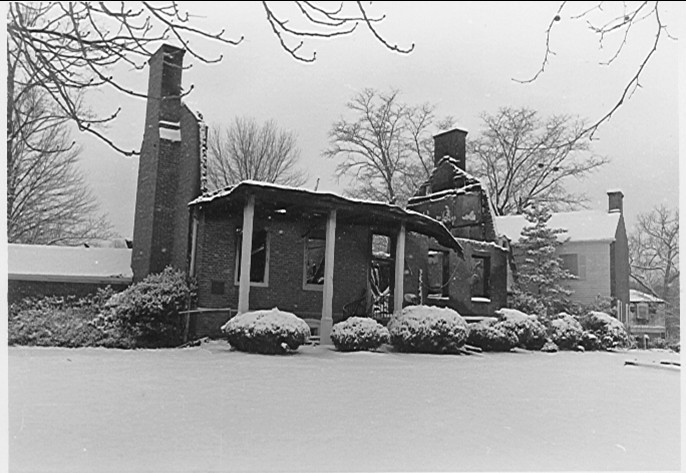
{"x": 59, "y": 321}
{"x": 488, "y": 337}
{"x": 147, "y": 314}
{"x": 565, "y": 331}
{"x": 530, "y": 333}
{"x": 589, "y": 341}
{"x": 266, "y": 331}
{"x": 550, "y": 347}
{"x": 359, "y": 333}
{"x": 426, "y": 329}
{"x": 610, "y": 332}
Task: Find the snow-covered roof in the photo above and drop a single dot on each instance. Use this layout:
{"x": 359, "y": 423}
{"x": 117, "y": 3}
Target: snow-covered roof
{"x": 415, "y": 221}
{"x": 584, "y": 225}
{"x": 69, "y": 264}
{"x": 638, "y": 296}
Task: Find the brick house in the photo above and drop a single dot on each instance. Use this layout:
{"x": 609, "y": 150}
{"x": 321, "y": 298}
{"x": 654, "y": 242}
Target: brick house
{"x": 292, "y": 234}
{"x": 441, "y": 250}
{"x": 475, "y": 284}
{"x": 595, "y": 249}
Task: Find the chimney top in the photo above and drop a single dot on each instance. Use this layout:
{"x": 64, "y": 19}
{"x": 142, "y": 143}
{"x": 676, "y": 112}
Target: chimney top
{"x": 451, "y": 143}
{"x": 615, "y": 198}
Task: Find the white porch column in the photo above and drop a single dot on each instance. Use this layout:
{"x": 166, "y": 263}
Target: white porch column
{"x": 246, "y": 255}
{"x": 327, "y": 296}
{"x": 399, "y": 290}
{"x": 194, "y": 244}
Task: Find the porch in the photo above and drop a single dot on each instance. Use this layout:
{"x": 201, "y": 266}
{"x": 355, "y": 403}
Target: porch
{"x": 338, "y": 238}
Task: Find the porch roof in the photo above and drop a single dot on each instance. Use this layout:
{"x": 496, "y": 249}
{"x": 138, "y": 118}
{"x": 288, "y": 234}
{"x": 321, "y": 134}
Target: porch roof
{"x": 284, "y": 199}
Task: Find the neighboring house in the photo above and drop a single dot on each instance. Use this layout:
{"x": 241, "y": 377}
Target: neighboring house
{"x": 595, "y": 249}
{"x": 646, "y": 315}
{"x": 38, "y": 270}
{"x": 474, "y": 284}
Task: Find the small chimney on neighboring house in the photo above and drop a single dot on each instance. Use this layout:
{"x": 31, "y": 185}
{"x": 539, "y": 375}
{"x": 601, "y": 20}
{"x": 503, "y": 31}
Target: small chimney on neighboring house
{"x": 615, "y": 201}
{"x": 451, "y": 143}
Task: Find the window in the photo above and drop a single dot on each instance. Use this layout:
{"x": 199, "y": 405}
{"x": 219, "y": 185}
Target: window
{"x": 575, "y": 264}
{"x": 315, "y": 248}
{"x": 259, "y": 262}
{"x": 438, "y": 274}
{"x": 642, "y": 311}
{"x": 481, "y": 275}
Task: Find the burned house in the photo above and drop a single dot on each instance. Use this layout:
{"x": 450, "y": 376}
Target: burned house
{"x": 474, "y": 284}
{"x": 319, "y": 255}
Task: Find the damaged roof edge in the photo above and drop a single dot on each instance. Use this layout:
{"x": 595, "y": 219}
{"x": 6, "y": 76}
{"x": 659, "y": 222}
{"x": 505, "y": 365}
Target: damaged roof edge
{"x": 415, "y": 221}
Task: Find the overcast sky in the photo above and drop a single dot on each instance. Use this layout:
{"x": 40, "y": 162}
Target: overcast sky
{"x": 466, "y": 55}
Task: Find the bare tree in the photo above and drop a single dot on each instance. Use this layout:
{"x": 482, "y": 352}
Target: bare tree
{"x": 523, "y": 159}
{"x": 654, "y": 253}
{"x": 387, "y": 147}
{"x": 247, "y": 150}
{"x": 613, "y": 23}
{"x": 48, "y": 201}
{"x": 67, "y": 48}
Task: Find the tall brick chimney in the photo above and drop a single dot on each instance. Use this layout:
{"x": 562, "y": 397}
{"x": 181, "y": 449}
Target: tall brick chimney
{"x": 615, "y": 201}
{"x": 451, "y": 143}
{"x": 167, "y": 171}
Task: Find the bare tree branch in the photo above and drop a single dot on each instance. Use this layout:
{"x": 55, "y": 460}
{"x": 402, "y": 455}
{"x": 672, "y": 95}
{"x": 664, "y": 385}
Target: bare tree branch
{"x": 654, "y": 253}
{"x": 246, "y": 150}
{"x": 387, "y": 146}
{"x": 604, "y": 22}
{"x": 523, "y": 159}
{"x": 68, "y": 48}
{"x": 48, "y": 201}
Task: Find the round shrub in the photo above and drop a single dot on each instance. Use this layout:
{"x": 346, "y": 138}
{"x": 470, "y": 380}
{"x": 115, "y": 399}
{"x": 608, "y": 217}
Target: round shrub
{"x": 530, "y": 333}
{"x": 488, "y": 337}
{"x": 266, "y": 331}
{"x": 565, "y": 331}
{"x": 425, "y": 329}
{"x": 147, "y": 314}
{"x": 359, "y": 333}
{"x": 609, "y": 331}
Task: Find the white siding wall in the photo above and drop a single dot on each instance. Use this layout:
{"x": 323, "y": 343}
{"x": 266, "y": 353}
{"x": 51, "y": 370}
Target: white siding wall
{"x": 597, "y": 280}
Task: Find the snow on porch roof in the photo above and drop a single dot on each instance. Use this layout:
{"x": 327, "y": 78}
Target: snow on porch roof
{"x": 414, "y": 221}
{"x": 638, "y": 296}
{"x": 69, "y": 264}
{"x": 585, "y": 225}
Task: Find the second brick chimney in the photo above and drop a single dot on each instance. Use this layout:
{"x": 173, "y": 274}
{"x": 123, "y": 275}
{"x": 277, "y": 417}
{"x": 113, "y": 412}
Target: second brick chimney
{"x": 451, "y": 143}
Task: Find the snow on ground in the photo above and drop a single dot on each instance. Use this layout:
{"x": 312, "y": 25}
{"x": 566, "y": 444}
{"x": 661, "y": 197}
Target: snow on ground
{"x": 211, "y": 409}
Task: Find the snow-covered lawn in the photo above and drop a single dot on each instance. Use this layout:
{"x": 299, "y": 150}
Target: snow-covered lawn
{"x": 211, "y": 409}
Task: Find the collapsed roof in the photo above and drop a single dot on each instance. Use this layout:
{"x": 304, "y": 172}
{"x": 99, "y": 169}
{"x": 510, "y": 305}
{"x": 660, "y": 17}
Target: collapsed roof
{"x": 283, "y": 199}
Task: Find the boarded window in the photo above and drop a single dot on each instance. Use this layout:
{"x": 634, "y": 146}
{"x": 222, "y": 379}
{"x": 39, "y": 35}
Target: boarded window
{"x": 217, "y": 287}
{"x": 575, "y": 264}
{"x": 259, "y": 261}
{"x": 315, "y": 248}
{"x": 481, "y": 275}
{"x": 438, "y": 274}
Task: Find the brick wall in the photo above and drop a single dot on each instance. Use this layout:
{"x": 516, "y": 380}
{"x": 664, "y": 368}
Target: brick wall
{"x": 460, "y": 296}
{"x": 18, "y": 290}
{"x": 168, "y": 174}
{"x": 216, "y": 260}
